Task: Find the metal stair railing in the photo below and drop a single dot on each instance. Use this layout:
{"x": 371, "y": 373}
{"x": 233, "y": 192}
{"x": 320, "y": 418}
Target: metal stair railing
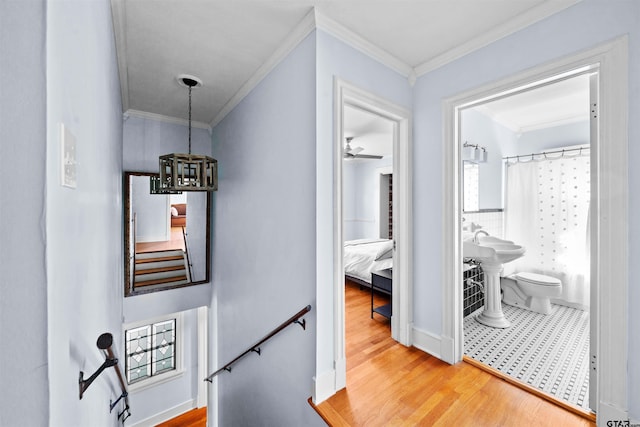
{"x": 256, "y": 347}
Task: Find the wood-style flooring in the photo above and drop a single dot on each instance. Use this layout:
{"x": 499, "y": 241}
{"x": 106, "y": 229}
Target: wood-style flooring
{"x": 176, "y": 242}
{"x": 193, "y": 418}
{"x": 392, "y": 385}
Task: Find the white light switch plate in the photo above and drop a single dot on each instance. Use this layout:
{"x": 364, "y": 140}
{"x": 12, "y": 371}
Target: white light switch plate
{"x": 67, "y": 157}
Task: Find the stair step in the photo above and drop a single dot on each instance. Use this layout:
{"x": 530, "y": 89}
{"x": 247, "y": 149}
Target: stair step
{"x": 160, "y": 269}
{"x": 159, "y": 254}
{"x": 158, "y": 259}
{"x": 181, "y": 279}
{"x": 142, "y": 277}
{"x": 161, "y": 264}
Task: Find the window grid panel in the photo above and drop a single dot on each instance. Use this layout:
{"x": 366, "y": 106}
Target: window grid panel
{"x": 150, "y": 350}
{"x": 163, "y": 346}
{"x": 138, "y": 346}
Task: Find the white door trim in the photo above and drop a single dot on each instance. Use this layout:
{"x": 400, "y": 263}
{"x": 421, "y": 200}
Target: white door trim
{"x": 611, "y": 240}
{"x": 402, "y": 308}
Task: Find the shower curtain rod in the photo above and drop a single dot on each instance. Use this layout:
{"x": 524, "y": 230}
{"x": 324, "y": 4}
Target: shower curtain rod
{"x": 544, "y": 153}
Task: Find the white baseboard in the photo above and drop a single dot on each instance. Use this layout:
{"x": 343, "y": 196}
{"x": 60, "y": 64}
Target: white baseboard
{"x": 610, "y": 415}
{"x": 427, "y": 342}
{"x": 323, "y": 386}
{"x": 341, "y": 374}
{"x": 166, "y": 415}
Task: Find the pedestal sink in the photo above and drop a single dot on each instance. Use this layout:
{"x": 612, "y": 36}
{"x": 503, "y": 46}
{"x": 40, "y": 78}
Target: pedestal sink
{"x": 492, "y": 253}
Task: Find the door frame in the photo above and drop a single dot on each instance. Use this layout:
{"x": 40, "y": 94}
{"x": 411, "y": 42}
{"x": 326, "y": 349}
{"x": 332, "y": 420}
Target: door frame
{"x": 609, "y": 242}
{"x": 402, "y": 294}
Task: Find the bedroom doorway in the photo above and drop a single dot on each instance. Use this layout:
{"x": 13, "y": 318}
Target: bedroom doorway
{"x": 355, "y": 107}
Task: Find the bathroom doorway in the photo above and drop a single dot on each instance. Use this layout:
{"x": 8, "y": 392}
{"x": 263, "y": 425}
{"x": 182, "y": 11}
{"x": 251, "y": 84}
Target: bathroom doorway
{"x": 526, "y": 179}
{"x": 609, "y": 219}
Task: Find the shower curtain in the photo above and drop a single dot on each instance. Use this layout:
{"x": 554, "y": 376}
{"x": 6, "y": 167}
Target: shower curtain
{"x": 547, "y": 211}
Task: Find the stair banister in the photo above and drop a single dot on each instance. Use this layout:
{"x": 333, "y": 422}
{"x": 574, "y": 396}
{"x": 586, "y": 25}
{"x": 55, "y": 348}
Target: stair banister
{"x": 105, "y": 343}
{"x": 256, "y": 347}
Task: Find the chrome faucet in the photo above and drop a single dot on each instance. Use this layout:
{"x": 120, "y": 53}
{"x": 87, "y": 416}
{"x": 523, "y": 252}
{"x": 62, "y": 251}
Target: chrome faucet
{"x": 475, "y": 236}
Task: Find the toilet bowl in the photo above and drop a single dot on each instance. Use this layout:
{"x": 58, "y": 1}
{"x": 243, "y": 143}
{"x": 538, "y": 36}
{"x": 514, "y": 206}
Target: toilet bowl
{"x": 530, "y": 291}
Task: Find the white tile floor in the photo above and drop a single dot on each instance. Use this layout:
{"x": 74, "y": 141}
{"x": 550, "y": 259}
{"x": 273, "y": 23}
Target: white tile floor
{"x": 549, "y": 352}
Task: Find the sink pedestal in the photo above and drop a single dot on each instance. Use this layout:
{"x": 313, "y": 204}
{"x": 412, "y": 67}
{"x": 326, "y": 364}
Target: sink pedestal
{"x": 492, "y": 314}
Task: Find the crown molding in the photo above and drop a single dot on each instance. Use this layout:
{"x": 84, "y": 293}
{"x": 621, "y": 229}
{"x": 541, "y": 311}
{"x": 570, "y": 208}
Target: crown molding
{"x": 165, "y": 119}
{"x": 521, "y": 21}
{"x": 119, "y": 18}
{"x": 304, "y": 28}
{"x": 312, "y": 21}
{"x": 354, "y": 40}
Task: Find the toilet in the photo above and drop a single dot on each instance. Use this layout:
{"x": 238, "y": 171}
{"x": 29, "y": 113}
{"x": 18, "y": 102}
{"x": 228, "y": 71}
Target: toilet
{"x": 530, "y": 291}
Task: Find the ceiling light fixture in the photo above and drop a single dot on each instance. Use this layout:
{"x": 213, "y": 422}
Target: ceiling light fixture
{"x": 188, "y": 172}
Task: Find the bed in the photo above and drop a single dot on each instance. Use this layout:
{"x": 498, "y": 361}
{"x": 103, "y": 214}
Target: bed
{"x": 363, "y": 256}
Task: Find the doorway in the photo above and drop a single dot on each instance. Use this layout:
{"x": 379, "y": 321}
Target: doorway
{"x": 526, "y": 179}
{"x": 609, "y": 216}
{"x": 349, "y": 97}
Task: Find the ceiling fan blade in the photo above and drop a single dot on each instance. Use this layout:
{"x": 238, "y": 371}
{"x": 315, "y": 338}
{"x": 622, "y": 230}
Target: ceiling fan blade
{"x": 367, "y": 156}
{"x": 354, "y": 151}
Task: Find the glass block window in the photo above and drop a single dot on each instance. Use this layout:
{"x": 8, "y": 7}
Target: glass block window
{"x": 151, "y": 350}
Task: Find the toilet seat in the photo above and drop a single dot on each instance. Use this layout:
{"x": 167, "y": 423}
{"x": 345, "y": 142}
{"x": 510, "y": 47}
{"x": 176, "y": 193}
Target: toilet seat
{"x": 538, "y": 279}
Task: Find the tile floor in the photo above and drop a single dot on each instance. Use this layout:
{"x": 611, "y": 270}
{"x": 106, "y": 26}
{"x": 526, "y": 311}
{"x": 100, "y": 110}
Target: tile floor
{"x": 549, "y": 352}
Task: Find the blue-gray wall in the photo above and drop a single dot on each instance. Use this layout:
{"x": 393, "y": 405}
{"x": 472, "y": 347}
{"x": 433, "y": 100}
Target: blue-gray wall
{"x": 264, "y": 247}
{"x": 585, "y": 25}
{"x": 24, "y": 369}
{"x": 361, "y": 201}
{"x": 83, "y": 225}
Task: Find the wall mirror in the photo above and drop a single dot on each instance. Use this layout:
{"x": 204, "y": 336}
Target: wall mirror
{"x": 166, "y": 236}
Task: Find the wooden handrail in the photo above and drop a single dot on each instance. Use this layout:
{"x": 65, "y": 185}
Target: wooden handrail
{"x": 255, "y": 348}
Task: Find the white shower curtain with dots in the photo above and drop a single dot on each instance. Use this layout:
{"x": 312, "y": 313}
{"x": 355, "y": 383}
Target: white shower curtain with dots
{"x": 547, "y": 211}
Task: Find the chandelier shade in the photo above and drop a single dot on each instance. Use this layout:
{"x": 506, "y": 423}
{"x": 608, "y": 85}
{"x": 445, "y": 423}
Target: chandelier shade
{"x": 185, "y": 171}
{"x": 188, "y": 172}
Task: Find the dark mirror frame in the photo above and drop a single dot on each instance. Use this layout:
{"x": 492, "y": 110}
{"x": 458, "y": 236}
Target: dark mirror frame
{"x": 129, "y": 289}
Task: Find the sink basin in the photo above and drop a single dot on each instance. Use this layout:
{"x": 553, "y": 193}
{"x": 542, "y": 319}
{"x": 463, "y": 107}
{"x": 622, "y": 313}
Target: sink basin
{"x": 491, "y": 250}
{"x": 492, "y": 253}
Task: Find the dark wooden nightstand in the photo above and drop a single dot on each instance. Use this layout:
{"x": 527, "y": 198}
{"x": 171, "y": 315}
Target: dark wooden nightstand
{"x": 381, "y": 280}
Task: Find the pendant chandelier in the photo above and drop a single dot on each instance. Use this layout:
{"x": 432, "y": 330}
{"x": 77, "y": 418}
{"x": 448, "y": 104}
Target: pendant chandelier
{"x": 187, "y": 172}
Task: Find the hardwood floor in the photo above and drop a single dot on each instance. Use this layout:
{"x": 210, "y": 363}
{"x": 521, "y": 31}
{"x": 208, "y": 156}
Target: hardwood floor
{"x": 194, "y": 418}
{"x": 176, "y": 242}
{"x": 389, "y": 384}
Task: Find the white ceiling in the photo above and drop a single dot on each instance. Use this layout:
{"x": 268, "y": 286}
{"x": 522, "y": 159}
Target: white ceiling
{"x": 369, "y": 131}
{"x": 559, "y": 103}
{"x": 232, "y": 44}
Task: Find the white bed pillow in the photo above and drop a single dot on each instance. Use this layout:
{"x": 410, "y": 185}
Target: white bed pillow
{"x": 385, "y": 250}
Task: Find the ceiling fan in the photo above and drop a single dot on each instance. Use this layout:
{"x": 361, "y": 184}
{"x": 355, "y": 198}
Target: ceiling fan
{"x": 354, "y": 153}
